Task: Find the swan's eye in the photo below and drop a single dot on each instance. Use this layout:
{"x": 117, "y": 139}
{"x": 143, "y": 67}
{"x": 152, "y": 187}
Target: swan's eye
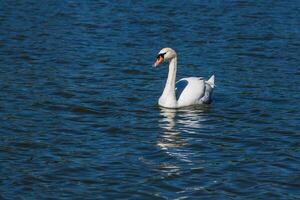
{"x": 159, "y": 59}
{"x": 160, "y": 55}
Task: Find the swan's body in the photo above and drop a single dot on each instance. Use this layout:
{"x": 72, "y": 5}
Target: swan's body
{"x": 185, "y": 92}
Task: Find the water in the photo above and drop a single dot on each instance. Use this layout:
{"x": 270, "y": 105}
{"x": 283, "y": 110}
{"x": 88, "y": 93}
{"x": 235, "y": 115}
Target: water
{"x": 78, "y": 103}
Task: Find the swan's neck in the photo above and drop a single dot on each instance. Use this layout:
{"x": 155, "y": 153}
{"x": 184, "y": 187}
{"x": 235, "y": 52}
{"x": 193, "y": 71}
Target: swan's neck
{"x": 168, "y": 98}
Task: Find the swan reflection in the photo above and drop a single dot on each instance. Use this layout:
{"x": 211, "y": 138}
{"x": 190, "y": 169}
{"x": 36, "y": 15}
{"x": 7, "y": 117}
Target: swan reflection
{"x": 192, "y": 120}
{"x": 175, "y": 125}
{"x": 170, "y": 137}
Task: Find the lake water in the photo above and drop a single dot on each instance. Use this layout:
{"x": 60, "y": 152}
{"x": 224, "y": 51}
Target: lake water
{"x": 78, "y": 103}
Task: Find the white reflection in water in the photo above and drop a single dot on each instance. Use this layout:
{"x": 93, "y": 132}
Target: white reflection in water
{"x": 170, "y": 137}
{"x": 177, "y": 125}
{"x": 191, "y": 120}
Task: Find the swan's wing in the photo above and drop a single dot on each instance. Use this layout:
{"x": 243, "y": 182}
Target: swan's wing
{"x": 189, "y": 90}
{"x": 179, "y": 87}
{"x": 194, "y": 90}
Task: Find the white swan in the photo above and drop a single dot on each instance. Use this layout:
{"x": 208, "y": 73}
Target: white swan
{"x": 187, "y": 91}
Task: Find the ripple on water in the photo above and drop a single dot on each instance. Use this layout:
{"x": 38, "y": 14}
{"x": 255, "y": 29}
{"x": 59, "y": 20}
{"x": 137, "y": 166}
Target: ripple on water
{"x": 78, "y": 101}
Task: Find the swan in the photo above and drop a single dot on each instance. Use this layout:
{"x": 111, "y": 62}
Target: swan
{"x": 185, "y": 92}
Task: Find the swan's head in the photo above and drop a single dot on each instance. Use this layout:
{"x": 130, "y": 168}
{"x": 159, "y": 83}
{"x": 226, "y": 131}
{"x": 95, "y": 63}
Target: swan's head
{"x": 164, "y": 54}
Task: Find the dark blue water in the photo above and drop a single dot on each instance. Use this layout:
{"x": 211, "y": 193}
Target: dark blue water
{"x": 78, "y": 102}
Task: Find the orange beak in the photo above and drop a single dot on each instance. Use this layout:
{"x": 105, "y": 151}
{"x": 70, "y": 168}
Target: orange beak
{"x": 158, "y": 61}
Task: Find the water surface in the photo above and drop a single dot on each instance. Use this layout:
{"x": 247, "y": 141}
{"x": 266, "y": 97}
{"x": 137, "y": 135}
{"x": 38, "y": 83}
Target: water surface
{"x": 78, "y": 103}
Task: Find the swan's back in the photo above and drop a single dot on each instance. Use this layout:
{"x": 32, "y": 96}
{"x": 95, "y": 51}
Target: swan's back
{"x": 194, "y": 89}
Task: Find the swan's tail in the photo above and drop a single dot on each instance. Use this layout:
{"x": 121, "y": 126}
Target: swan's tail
{"x": 211, "y": 81}
{"x": 209, "y": 86}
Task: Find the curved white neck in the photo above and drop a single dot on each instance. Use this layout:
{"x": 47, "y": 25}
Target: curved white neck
{"x": 168, "y": 98}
